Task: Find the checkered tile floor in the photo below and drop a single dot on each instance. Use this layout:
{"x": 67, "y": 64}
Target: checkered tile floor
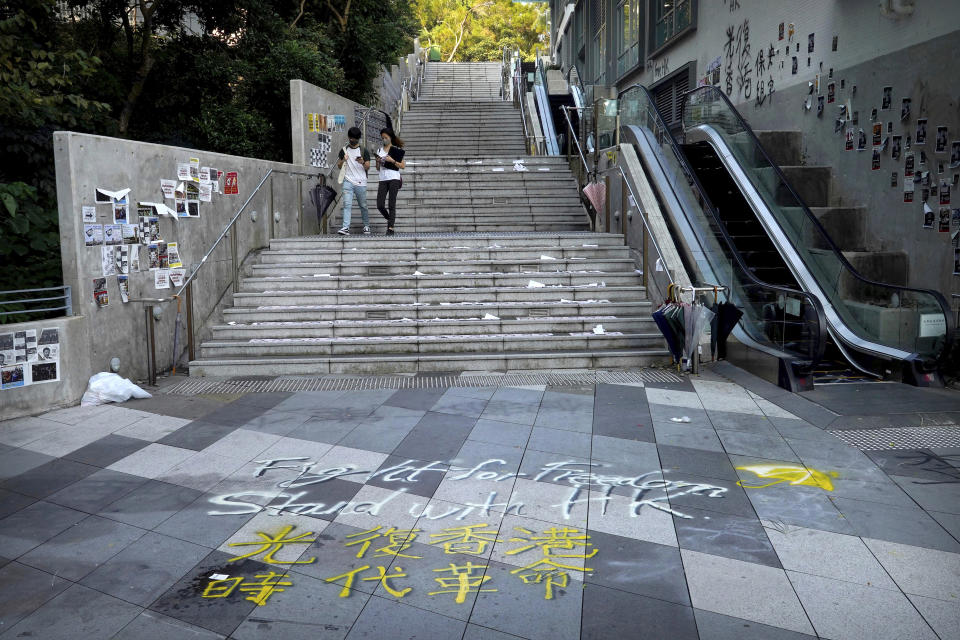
{"x": 690, "y": 509}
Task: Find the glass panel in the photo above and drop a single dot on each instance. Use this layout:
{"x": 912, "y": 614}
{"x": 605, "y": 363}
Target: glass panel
{"x": 779, "y": 318}
{"x": 912, "y": 320}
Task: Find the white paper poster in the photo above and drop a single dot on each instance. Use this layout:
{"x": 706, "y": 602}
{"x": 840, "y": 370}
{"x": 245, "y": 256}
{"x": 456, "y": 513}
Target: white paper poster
{"x": 173, "y": 255}
{"x": 161, "y": 279}
{"x": 89, "y": 213}
{"x": 108, "y": 262}
{"x": 167, "y": 186}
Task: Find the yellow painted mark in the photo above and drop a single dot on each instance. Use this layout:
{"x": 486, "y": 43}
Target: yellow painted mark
{"x": 794, "y": 474}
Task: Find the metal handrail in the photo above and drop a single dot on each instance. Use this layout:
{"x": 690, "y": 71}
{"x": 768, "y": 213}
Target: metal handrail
{"x": 67, "y": 298}
{"x": 646, "y": 225}
{"x": 575, "y": 139}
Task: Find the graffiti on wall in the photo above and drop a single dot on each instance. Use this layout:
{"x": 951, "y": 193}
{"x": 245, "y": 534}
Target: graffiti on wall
{"x": 747, "y": 76}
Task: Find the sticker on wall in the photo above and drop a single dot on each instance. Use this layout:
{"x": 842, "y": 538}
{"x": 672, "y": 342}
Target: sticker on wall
{"x": 123, "y": 284}
{"x": 955, "y": 154}
{"x": 875, "y": 160}
{"x": 810, "y": 43}
{"x": 861, "y": 140}
{"x": 848, "y": 142}
{"x": 100, "y": 296}
{"x": 904, "y": 109}
{"x": 780, "y": 31}
{"x": 877, "y": 133}
{"x": 88, "y": 213}
{"x": 895, "y": 149}
{"x": 831, "y": 92}
{"x": 944, "y": 225}
{"x": 928, "y": 216}
{"x": 921, "y": 137}
{"x": 908, "y": 190}
{"x": 819, "y": 106}
{"x": 893, "y": 179}
{"x": 944, "y": 192}
{"x": 833, "y": 45}
{"x": 941, "y": 140}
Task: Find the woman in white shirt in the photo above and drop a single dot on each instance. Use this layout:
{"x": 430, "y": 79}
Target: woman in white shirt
{"x": 389, "y": 162}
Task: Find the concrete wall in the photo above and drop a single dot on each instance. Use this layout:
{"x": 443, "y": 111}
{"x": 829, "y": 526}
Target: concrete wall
{"x": 74, "y": 367}
{"x": 85, "y": 162}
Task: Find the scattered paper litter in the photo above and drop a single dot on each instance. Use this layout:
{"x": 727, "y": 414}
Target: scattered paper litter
{"x": 683, "y": 419}
{"x": 590, "y": 245}
{"x": 599, "y": 330}
{"x": 233, "y": 323}
{"x": 533, "y": 284}
{"x": 417, "y": 273}
{"x": 322, "y": 275}
{"x": 219, "y": 576}
{"x": 494, "y": 169}
{"x": 544, "y": 169}
{"x": 489, "y": 316}
{"x": 518, "y": 166}
{"x": 546, "y": 257}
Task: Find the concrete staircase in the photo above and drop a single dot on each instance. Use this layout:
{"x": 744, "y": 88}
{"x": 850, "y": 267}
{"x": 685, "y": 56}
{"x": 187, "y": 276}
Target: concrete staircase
{"x": 492, "y": 268}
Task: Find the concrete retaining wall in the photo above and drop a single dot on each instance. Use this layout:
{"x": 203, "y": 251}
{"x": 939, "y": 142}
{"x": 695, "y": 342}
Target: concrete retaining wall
{"x": 85, "y": 162}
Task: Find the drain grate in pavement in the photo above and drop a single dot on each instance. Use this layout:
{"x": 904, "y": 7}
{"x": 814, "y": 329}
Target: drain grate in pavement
{"x": 337, "y": 383}
{"x": 901, "y": 437}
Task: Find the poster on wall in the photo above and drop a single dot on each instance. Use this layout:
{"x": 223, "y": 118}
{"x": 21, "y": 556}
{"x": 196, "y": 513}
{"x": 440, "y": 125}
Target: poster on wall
{"x": 941, "y": 140}
{"x": 12, "y": 376}
{"x": 92, "y": 234}
{"x": 908, "y": 190}
{"x": 173, "y": 255}
{"x": 48, "y": 345}
{"x": 875, "y": 160}
{"x": 877, "y": 133}
{"x": 112, "y": 234}
{"x": 100, "y": 292}
{"x": 955, "y": 154}
{"x": 908, "y": 166}
{"x": 848, "y": 143}
{"x": 108, "y": 264}
{"x": 956, "y": 261}
{"x": 831, "y": 92}
{"x": 177, "y": 277}
{"x": 921, "y": 137}
{"x": 944, "y": 224}
{"x": 904, "y": 109}
{"x": 161, "y": 279}
{"x": 928, "y": 216}
{"x": 231, "y": 186}
{"x": 7, "y": 354}
{"x": 944, "y": 192}
{"x": 887, "y": 100}
{"x": 895, "y": 149}
{"x": 122, "y": 257}
{"x": 130, "y": 234}
{"x": 134, "y": 258}
{"x": 123, "y": 284}
{"x": 167, "y": 187}
{"x": 89, "y": 213}
{"x": 861, "y": 140}
{"x": 893, "y": 179}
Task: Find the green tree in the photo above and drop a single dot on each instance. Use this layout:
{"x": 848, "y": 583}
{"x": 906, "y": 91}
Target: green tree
{"x": 478, "y": 30}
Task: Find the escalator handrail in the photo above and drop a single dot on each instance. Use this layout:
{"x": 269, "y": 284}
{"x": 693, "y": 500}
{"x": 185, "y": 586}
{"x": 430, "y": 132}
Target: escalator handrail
{"x": 546, "y": 118}
{"x": 708, "y": 206}
{"x": 936, "y": 295}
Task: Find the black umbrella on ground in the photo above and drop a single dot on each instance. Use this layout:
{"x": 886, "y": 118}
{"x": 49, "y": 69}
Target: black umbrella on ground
{"x": 726, "y": 317}
{"x": 322, "y": 196}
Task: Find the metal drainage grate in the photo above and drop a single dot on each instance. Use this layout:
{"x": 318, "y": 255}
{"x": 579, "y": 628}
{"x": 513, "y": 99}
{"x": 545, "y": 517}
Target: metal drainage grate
{"x": 292, "y": 384}
{"x": 900, "y": 437}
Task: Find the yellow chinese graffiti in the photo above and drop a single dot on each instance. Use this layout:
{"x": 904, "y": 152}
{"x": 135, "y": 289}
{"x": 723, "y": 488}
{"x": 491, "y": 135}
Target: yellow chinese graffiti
{"x": 462, "y": 581}
{"x": 261, "y": 589}
{"x": 793, "y": 474}
{"x": 547, "y": 570}
{"x": 399, "y": 541}
{"x": 383, "y": 578}
{"x": 273, "y": 544}
{"x": 469, "y": 539}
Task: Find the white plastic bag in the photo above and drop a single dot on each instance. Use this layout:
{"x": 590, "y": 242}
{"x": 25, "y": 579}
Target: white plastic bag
{"x": 109, "y": 387}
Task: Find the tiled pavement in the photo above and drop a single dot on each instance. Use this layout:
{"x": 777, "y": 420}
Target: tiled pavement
{"x": 745, "y": 522}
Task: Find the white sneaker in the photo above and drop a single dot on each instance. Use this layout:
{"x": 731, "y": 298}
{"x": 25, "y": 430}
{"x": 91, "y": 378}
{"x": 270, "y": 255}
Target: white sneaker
{"x": 366, "y": 230}
{"x": 345, "y": 231}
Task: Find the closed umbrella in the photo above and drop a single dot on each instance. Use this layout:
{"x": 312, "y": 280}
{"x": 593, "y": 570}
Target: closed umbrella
{"x": 726, "y": 316}
{"x": 696, "y": 320}
{"x": 322, "y": 196}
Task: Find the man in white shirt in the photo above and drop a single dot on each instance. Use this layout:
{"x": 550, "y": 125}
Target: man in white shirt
{"x": 354, "y": 180}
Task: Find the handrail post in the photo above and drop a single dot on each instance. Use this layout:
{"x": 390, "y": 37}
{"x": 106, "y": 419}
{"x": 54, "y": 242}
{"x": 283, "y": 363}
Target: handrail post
{"x": 569, "y": 133}
{"x": 151, "y": 347}
{"x": 624, "y": 203}
{"x": 68, "y": 299}
{"x": 606, "y": 203}
{"x": 271, "y": 219}
{"x": 233, "y": 257}
{"x": 299, "y": 206}
{"x": 191, "y": 350}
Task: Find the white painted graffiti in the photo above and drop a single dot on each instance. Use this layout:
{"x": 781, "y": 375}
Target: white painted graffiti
{"x": 646, "y": 489}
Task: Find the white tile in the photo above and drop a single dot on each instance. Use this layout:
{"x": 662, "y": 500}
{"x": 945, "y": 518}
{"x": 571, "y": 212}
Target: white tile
{"x": 73, "y": 415}
{"x": 296, "y": 448}
{"x": 152, "y": 461}
{"x": 551, "y": 502}
{"x": 743, "y": 590}
{"x": 68, "y": 439}
{"x": 674, "y": 398}
{"x": 516, "y": 534}
{"x": 773, "y": 411}
{"x": 943, "y": 616}
{"x": 358, "y": 459}
{"x": 847, "y": 611}
{"x": 153, "y": 427}
{"x": 827, "y": 554}
{"x": 374, "y": 506}
{"x": 618, "y": 516}
{"x": 920, "y": 571}
{"x": 21, "y": 431}
{"x": 243, "y": 444}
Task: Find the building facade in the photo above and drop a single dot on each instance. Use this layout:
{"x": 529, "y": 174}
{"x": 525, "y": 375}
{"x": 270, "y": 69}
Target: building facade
{"x": 828, "y": 69}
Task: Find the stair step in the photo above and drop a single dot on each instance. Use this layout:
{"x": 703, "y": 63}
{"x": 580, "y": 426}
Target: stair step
{"x": 449, "y": 241}
{"x": 431, "y": 267}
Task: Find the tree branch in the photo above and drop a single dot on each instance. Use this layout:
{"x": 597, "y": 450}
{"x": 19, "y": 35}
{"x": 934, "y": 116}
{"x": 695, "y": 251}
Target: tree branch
{"x": 146, "y": 64}
{"x": 299, "y": 15}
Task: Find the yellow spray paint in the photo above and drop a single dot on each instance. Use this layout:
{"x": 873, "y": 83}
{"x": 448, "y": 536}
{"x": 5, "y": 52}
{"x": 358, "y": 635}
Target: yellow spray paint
{"x": 794, "y": 474}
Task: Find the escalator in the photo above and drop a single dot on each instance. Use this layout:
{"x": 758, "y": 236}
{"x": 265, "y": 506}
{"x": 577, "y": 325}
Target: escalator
{"x": 873, "y": 330}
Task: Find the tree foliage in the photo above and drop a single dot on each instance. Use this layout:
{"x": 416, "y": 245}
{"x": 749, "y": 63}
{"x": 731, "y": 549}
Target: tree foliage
{"x": 478, "y": 30}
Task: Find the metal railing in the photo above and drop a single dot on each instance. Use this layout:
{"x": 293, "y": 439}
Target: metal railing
{"x": 66, "y": 297}
{"x": 571, "y": 135}
{"x": 185, "y": 293}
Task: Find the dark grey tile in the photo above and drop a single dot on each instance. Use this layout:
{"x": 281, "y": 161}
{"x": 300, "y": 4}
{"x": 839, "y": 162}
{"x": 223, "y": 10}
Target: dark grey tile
{"x": 142, "y": 572}
{"x": 476, "y": 632}
{"x": 197, "y": 435}
{"x": 150, "y": 625}
{"x": 343, "y": 413}
{"x": 333, "y": 494}
{"x": 34, "y": 525}
{"x": 697, "y": 418}
{"x": 895, "y": 524}
{"x": 11, "y": 502}
{"x": 636, "y": 566}
{"x": 384, "y": 619}
{"x": 186, "y": 407}
{"x": 685, "y": 384}
{"x": 949, "y": 521}
{"x": 97, "y": 490}
{"x": 610, "y": 613}
{"x": 419, "y": 399}
{"x": 321, "y": 430}
{"x": 559, "y": 442}
{"x": 800, "y": 430}
{"x": 82, "y": 548}
{"x": 6, "y": 447}
{"x": 918, "y": 463}
{"x": 715, "y": 626}
{"x": 264, "y": 400}
{"x": 725, "y": 535}
{"x": 534, "y": 466}
{"x": 622, "y": 412}
{"x": 184, "y": 600}
{"x": 733, "y": 500}
{"x": 215, "y": 530}
{"x": 48, "y": 478}
{"x": 17, "y": 461}
{"x": 150, "y": 504}
{"x": 23, "y": 590}
{"x": 437, "y": 436}
{"x": 107, "y": 450}
{"x": 77, "y": 612}
{"x": 278, "y": 423}
{"x": 797, "y": 506}
{"x": 681, "y": 461}
{"x": 231, "y": 415}
{"x": 332, "y": 557}
{"x": 398, "y": 472}
{"x": 507, "y": 433}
